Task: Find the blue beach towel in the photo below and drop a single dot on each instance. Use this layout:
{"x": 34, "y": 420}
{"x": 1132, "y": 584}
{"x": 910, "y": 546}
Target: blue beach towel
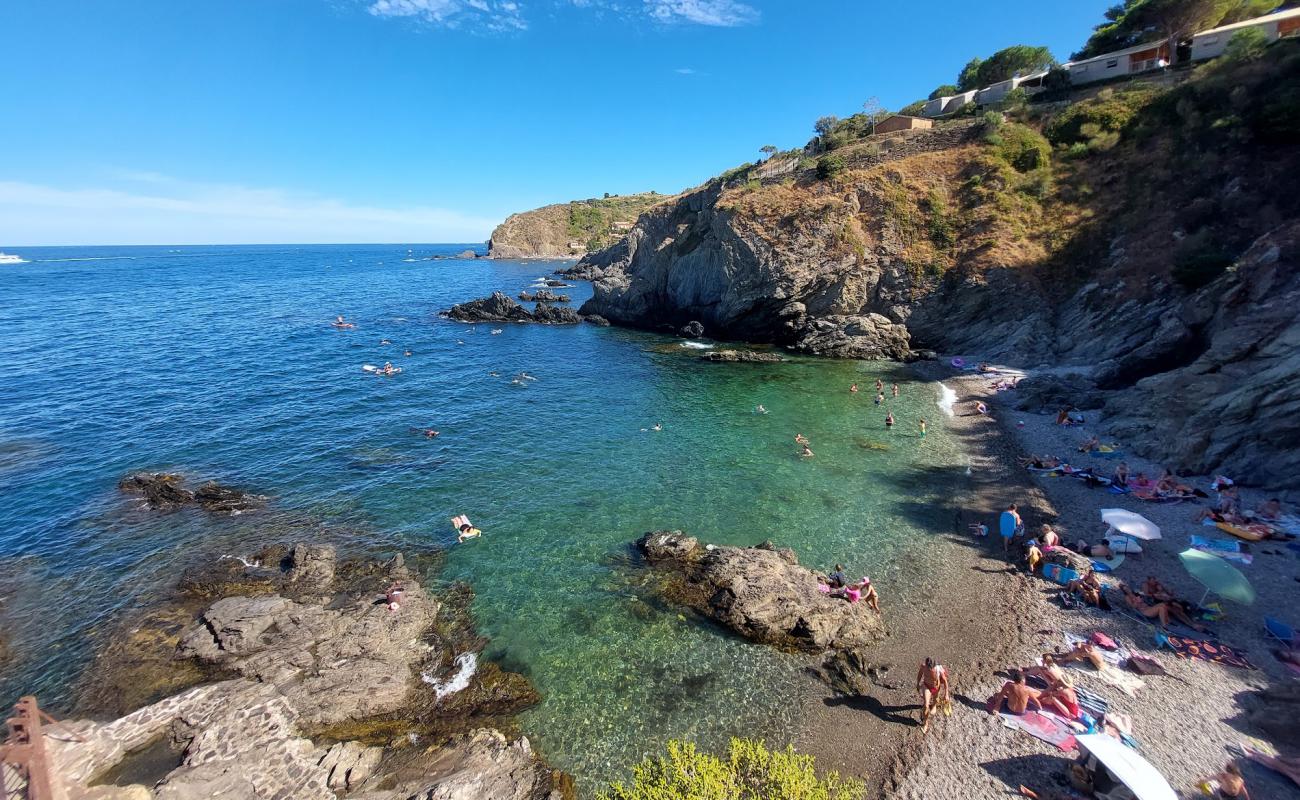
{"x": 1007, "y": 524}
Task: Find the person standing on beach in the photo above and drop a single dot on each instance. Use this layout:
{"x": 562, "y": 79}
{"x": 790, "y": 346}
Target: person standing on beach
{"x": 932, "y": 685}
{"x": 922, "y": 429}
{"x": 1009, "y": 525}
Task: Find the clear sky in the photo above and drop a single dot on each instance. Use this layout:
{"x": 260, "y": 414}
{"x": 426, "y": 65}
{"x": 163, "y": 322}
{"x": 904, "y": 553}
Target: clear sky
{"x": 229, "y": 121}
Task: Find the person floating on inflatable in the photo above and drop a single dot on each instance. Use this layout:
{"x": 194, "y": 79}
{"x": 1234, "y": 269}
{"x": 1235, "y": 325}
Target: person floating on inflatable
{"x": 464, "y": 528}
{"x": 341, "y": 323}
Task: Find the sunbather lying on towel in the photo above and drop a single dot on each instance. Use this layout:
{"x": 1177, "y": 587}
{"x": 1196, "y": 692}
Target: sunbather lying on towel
{"x": 1158, "y": 611}
{"x": 1050, "y": 672}
{"x": 1061, "y": 699}
{"x": 1040, "y": 462}
{"x": 1082, "y": 651}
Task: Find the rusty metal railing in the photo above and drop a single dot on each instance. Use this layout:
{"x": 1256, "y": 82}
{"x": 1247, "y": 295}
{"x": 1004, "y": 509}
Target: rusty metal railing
{"x": 23, "y": 761}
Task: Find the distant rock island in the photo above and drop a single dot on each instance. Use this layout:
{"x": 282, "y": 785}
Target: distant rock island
{"x": 570, "y": 230}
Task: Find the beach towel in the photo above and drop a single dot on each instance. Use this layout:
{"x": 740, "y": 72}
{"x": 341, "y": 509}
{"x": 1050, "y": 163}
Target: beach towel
{"x": 1007, "y": 524}
{"x": 1046, "y": 727}
{"x": 1058, "y": 573}
{"x": 1205, "y": 651}
{"x": 1113, "y": 657}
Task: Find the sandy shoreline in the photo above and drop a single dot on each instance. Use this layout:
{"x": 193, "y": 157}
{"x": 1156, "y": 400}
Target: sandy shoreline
{"x": 984, "y": 615}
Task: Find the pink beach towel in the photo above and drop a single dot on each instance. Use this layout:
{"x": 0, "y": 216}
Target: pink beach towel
{"x": 1046, "y": 727}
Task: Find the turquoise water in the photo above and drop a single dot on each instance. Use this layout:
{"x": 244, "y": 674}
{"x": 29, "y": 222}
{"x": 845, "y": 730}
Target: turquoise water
{"x": 219, "y": 362}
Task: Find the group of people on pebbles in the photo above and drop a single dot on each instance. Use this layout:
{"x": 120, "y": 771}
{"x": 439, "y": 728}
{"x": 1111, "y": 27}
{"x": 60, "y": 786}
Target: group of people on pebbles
{"x": 1045, "y": 690}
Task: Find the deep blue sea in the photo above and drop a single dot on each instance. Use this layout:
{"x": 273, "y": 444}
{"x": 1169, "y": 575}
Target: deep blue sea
{"x": 220, "y": 362}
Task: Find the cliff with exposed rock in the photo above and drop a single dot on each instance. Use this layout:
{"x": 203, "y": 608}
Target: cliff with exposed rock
{"x": 1142, "y": 241}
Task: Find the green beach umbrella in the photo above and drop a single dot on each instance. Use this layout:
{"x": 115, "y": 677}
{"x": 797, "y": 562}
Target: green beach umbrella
{"x": 1218, "y": 576}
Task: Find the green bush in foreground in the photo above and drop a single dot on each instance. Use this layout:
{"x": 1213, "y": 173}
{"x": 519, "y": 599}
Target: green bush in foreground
{"x": 750, "y": 772}
{"x": 829, "y": 166}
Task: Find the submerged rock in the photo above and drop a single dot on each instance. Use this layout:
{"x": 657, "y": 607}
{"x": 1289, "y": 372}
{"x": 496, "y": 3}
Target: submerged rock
{"x": 733, "y": 356}
{"x": 165, "y": 490}
{"x": 760, "y": 592}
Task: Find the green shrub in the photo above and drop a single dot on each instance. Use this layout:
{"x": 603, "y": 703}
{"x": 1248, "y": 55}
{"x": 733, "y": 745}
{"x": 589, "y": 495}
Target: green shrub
{"x": 1109, "y": 111}
{"x": 991, "y": 123}
{"x": 750, "y": 772}
{"x": 1246, "y": 44}
{"x": 1022, "y": 147}
{"x": 829, "y": 166}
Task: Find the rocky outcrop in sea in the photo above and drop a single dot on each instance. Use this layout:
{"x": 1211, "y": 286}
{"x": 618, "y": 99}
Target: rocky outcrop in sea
{"x": 500, "y": 308}
{"x": 761, "y": 593}
{"x": 166, "y": 491}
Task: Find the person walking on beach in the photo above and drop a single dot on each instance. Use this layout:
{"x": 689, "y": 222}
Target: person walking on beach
{"x": 922, "y": 423}
{"x": 1009, "y": 524}
{"x": 932, "y": 685}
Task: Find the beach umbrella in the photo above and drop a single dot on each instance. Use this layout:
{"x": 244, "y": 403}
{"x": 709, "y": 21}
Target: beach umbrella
{"x": 1217, "y": 576}
{"x": 1130, "y": 523}
{"x": 1127, "y": 766}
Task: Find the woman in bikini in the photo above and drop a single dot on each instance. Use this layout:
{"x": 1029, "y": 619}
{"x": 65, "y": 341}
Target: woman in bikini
{"x": 932, "y": 685}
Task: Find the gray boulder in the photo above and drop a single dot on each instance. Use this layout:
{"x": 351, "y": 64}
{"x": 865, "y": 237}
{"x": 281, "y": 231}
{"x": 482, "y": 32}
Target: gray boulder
{"x": 864, "y": 336}
{"x": 555, "y": 315}
{"x": 693, "y": 330}
{"x": 485, "y": 765}
{"x": 761, "y": 592}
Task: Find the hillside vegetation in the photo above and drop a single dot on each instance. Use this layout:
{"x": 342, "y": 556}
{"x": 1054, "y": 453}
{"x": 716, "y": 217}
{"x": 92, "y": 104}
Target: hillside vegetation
{"x": 569, "y": 230}
{"x": 1135, "y": 236}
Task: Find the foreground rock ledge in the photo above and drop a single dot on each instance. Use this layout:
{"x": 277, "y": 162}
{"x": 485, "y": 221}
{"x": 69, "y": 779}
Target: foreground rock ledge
{"x": 760, "y": 592}
{"x": 327, "y": 694}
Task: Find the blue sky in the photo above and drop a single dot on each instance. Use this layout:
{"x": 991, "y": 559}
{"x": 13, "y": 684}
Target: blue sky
{"x": 202, "y": 121}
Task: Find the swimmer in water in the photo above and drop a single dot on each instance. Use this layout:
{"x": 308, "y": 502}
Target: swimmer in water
{"x": 799, "y": 438}
{"x": 384, "y": 341}
{"x": 806, "y": 453}
{"x": 495, "y": 374}
{"x": 758, "y": 409}
{"x": 407, "y": 353}
{"x": 895, "y": 390}
{"x": 388, "y": 368}
{"x": 880, "y": 385}
{"x": 658, "y": 426}
{"x": 340, "y": 323}
{"x": 880, "y": 398}
{"x": 853, "y": 389}
{"x": 889, "y": 419}
{"x": 429, "y": 433}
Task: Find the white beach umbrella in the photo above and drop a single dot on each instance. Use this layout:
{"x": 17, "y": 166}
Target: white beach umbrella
{"x": 1130, "y": 523}
{"x": 1127, "y": 766}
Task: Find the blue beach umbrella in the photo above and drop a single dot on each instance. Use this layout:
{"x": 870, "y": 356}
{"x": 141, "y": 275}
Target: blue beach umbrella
{"x": 1217, "y": 576}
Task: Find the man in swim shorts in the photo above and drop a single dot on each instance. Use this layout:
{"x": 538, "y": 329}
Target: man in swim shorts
{"x": 1016, "y": 695}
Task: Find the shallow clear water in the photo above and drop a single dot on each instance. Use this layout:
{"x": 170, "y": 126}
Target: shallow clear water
{"x": 219, "y": 362}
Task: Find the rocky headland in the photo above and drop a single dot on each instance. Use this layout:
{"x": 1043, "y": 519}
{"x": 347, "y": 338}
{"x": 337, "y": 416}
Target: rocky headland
{"x": 1121, "y": 244}
{"x": 569, "y": 230}
{"x": 308, "y": 677}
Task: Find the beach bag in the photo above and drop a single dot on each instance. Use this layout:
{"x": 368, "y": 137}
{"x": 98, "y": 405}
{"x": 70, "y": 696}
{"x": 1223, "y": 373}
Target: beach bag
{"x": 1102, "y": 640}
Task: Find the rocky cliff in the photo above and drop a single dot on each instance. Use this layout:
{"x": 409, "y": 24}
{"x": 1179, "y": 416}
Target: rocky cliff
{"x": 569, "y": 230}
{"x": 1142, "y": 239}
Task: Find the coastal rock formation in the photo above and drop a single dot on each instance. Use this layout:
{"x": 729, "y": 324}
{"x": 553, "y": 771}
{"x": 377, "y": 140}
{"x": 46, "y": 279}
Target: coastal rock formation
{"x": 596, "y": 319}
{"x": 164, "y": 490}
{"x": 693, "y": 330}
{"x": 851, "y": 672}
{"x": 555, "y": 315}
{"x": 543, "y": 296}
{"x": 760, "y": 592}
{"x": 497, "y": 308}
{"x": 733, "y": 356}
{"x": 339, "y": 665}
{"x": 568, "y": 230}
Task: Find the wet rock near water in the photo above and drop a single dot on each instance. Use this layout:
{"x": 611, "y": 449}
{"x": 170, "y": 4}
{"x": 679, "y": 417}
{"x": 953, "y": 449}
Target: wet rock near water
{"x": 543, "y": 296}
{"x": 865, "y": 336}
{"x": 596, "y": 319}
{"x": 852, "y": 672}
{"x": 739, "y": 356}
{"x": 554, "y": 284}
{"x": 760, "y": 592}
{"x": 693, "y": 330}
{"x": 555, "y": 315}
{"x": 499, "y": 308}
{"x": 496, "y": 308}
{"x": 166, "y": 491}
